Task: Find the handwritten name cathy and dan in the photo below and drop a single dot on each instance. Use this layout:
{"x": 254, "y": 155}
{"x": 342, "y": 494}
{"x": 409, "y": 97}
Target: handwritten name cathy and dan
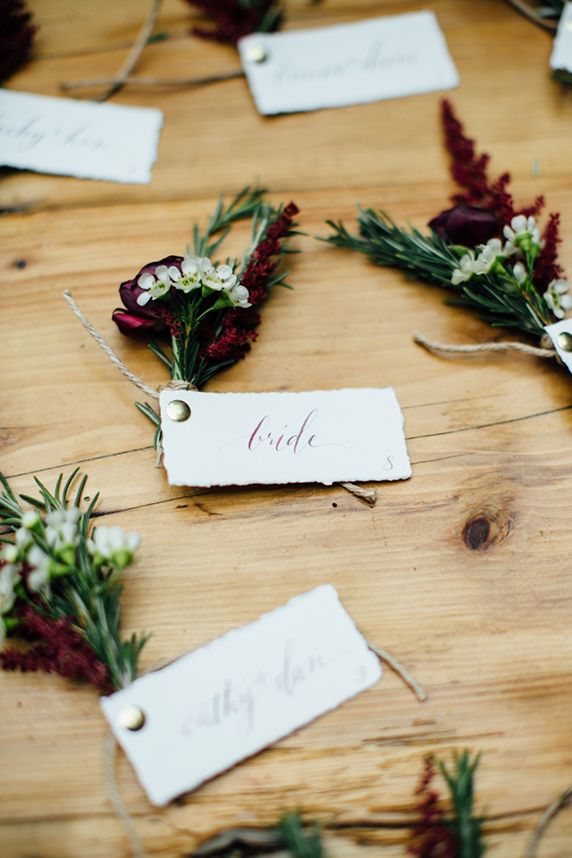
{"x": 235, "y": 705}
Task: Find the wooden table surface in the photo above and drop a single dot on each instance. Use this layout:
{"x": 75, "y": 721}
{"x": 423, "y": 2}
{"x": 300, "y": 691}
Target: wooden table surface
{"x": 487, "y": 630}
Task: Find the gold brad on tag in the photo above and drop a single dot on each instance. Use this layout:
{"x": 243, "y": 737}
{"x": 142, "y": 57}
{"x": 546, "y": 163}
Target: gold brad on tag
{"x": 565, "y": 341}
{"x": 178, "y": 411}
{"x": 255, "y": 54}
{"x": 131, "y": 718}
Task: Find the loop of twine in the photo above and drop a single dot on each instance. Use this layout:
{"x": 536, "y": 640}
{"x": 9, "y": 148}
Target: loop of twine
{"x": 485, "y": 347}
{"x": 118, "y": 363}
{"x": 554, "y": 808}
{"x": 111, "y": 745}
{"x": 368, "y": 495}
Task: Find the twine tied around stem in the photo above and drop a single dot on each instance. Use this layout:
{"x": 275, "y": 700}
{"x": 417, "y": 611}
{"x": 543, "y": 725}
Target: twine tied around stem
{"x": 367, "y": 495}
{"x": 112, "y": 745}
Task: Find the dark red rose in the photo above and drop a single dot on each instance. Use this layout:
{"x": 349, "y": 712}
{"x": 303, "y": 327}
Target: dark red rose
{"x": 132, "y": 317}
{"x": 466, "y": 225}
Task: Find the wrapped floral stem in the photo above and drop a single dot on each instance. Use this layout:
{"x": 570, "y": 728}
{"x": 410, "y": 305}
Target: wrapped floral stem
{"x": 60, "y": 588}
{"x": 489, "y": 254}
{"x": 201, "y": 316}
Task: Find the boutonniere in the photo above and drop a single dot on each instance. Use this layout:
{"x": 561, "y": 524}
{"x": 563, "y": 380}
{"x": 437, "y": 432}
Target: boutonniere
{"x": 60, "y": 583}
{"x": 487, "y": 252}
{"x": 200, "y": 315}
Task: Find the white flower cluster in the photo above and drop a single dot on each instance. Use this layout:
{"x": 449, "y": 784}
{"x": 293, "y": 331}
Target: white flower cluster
{"x": 195, "y": 273}
{"x": 558, "y": 299}
{"x": 49, "y": 547}
{"x": 112, "y": 544}
{"x": 483, "y": 263}
{"x": 522, "y": 234}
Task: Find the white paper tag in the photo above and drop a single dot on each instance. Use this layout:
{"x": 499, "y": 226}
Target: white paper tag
{"x": 78, "y": 138}
{"x": 561, "y": 335}
{"x": 561, "y": 57}
{"x": 348, "y": 63}
{"x": 266, "y": 438}
{"x": 235, "y": 696}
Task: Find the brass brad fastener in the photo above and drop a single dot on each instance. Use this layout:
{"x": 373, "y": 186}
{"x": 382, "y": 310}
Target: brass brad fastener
{"x": 565, "y": 341}
{"x": 255, "y": 54}
{"x": 131, "y": 718}
{"x": 178, "y": 411}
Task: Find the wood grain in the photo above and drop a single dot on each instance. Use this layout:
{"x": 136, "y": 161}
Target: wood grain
{"x": 462, "y": 572}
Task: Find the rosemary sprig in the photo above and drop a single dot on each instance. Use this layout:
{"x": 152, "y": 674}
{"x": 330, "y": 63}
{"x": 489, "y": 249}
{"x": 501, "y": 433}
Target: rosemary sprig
{"x": 53, "y": 567}
{"x": 466, "y": 827}
{"x": 301, "y": 843}
{"x": 501, "y": 300}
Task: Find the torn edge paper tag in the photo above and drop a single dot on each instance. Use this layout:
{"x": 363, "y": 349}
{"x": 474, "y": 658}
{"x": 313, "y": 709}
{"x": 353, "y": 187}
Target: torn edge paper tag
{"x": 561, "y": 335}
{"x": 225, "y": 439}
{"x": 78, "y": 138}
{"x": 347, "y": 64}
{"x": 561, "y": 57}
{"x": 238, "y": 694}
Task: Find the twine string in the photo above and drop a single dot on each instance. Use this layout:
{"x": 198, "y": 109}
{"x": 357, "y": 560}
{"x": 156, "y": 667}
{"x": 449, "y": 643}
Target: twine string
{"x": 554, "y": 808}
{"x": 485, "y": 347}
{"x": 112, "y": 744}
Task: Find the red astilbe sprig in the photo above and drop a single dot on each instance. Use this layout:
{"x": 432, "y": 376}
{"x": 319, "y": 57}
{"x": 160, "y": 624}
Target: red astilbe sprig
{"x": 239, "y": 326}
{"x": 469, "y": 171}
{"x": 432, "y": 837}
{"x": 61, "y": 650}
{"x": 233, "y": 19}
{"x": 546, "y": 267}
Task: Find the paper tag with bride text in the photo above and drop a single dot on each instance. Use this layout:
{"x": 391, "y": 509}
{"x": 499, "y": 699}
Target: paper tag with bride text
{"x": 226, "y": 439}
{"x": 240, "y": 693}
{"x": 348, "y": 63}
{"x": 561, "y": 335}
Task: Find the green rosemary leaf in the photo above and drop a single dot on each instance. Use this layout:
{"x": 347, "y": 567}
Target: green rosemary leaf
{"x": 149, "y": 412}
{"x": 299, "y": 842}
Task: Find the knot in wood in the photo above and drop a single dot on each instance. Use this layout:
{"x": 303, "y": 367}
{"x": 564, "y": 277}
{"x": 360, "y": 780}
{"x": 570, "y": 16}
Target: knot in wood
{"x": 486, "y": 527}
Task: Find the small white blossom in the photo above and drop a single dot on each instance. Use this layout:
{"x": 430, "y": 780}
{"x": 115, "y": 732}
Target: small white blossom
{"x": 155, "y": 287}
{"x": 465, "y": 270}
{"x": 39, "y": 578}
{"x": 9, "y": 553}
{"x": 487, "y": 257}
{"x": 112, "y": 543}
{"x": 61, "y": 529}
{"x": 217, "y": 279}
{"x": 8, "y": 576}
{"x": 30, "y": 518}
{"x": 522, "y": 230}
{"x": 558, "y": 299}
{"x": 519, "y": 273}
{"x": 189, "y": 277}
{"x": 239, "y": 296}
{"x": 23, "y": 538}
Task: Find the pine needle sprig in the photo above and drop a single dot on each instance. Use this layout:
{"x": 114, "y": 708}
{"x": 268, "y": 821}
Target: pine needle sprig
{"x": 301, "y": 843}
{"x": 499, "y": 298}
{"x": 60, "y": 581}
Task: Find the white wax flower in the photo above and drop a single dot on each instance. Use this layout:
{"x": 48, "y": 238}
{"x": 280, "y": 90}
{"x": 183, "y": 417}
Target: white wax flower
{"x": 112, "y": 543}
{"x": 519, "y": 273}
{"x": 239, "y": 296}
{"x": 558, "y": 299}
{"x": 39, "y": 578}
{"x": 8, "y": 577}
{"x": 522, "y": 229}
{"x": 189, "y": 277}
{"x": 155, "y": 287}
{"x": 465, "y": 270}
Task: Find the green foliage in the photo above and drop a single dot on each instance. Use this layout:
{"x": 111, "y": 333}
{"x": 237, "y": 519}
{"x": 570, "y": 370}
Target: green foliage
{"x": 499, "y": 299}
{"x": 467, "y": 828}
{"x": 299, "y": 842}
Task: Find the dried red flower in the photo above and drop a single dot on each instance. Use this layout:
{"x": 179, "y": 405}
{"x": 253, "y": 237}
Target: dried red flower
{"x": 234, "y": 19}
{"x": 16, "y": 36}
{"x": 62, "y": 650}
{"x": 546, "y": 267}
{"x": 432, "y": 838}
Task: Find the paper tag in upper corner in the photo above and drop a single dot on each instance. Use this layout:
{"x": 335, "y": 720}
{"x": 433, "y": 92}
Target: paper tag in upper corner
{"x": 240, "y": 693}
{"x": 561, "y": 57}
{"x": 226, "y": 439}
{"x": 561, "y": 335}
{"x": 347, "y": 64}
{"x": 78, "y": 138}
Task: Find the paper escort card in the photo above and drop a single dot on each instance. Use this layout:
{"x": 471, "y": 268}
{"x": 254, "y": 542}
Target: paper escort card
{"x": 78, "y": 138}
{"x": 235, "y": 696}
{"x": 226, "y": 439}
{"x": 561, "y": 335}
{"x": 561, "y": 57}
{"x": 348, "y": 63}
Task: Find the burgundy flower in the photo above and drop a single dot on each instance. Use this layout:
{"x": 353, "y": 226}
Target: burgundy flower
{"x": 132, "y": 317}
{"x": 233, "y": 19}
{"x": 16, "y": 36}
{"x": 466, "y": 225}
